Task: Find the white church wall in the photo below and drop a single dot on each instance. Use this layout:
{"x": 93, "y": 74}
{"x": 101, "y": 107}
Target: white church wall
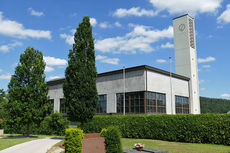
{"x": 56, "y": 93}
{"x": 112, "y": 84}
{"x": 161, "y": 83}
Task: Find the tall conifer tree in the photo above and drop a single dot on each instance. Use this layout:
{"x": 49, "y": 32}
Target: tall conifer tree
{"x": 79, "y": 87}
{"x": 28, "y": 91}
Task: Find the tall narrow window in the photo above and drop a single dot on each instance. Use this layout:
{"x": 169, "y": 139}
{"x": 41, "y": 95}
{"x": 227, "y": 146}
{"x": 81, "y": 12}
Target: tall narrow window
{"x": 63, "y": 107}
{"x": 182, "y": 105}
{"x": 102, "y": 104}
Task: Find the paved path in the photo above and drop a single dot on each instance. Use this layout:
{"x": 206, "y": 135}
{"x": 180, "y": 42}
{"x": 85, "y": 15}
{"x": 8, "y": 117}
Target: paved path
{"x": 34, "y": 146}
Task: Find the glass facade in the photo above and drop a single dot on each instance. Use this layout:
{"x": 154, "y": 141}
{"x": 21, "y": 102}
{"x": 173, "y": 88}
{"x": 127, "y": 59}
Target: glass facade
{"x": 155, "y": 103}
{"x": 142, "y": 102}
{"x": 182, "y": 105}
{"x": 134, "y": 102}
{"x": 102, "y": 104}
{"x": 63, "y": 107}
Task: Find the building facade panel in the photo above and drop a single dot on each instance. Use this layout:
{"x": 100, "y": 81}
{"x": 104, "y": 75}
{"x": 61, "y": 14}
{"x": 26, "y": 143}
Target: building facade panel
{"x": 161, "y": 83}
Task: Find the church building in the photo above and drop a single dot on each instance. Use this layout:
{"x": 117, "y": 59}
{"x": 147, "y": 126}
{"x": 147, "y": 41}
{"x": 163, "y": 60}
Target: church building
{"x": 145, "y": 89}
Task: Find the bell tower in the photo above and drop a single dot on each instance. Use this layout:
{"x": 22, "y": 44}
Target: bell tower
{"x": 186, "y": 57}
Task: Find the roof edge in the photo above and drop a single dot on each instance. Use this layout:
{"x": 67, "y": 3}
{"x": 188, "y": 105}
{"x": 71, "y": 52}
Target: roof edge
{"x": 183, "y": 16}
{"x": 141, "y": 67}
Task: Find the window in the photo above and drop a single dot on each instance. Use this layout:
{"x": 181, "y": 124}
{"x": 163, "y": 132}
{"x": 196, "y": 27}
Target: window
{"x": 182, "y": 105}
{"x": 155, "y": 103}
{"x": 134, "y": 102}
{"x": 102, "y": 104}
{"x": 63, "y": 107}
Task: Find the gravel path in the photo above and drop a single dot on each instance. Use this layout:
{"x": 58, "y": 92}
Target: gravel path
{"x": 34, "y": 146}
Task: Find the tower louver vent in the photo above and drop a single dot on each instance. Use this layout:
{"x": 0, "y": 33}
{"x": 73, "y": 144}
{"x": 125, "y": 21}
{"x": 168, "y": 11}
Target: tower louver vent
{"x": 191, "y": 34}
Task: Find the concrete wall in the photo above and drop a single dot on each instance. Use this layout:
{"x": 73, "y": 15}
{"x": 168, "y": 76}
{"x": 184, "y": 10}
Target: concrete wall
{"x": 161, "y": 83}
{"x": 110, "y": 85}
{"x": 186, "y": 58}
{"x": 56, "y": 92}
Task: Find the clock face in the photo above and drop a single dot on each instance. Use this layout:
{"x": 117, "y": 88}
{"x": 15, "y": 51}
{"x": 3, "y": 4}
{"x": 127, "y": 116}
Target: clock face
{"x": 181, "y": 27}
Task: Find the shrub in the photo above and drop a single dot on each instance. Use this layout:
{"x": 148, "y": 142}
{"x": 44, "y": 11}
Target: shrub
{"x": 113, "y": 140}
{"x": 73, "y": 140}
{"x": 103, "y": 131}
{"x": 55, "y": 124}
{"x": 204, "y": 128}
{"x": 1, "y": 123}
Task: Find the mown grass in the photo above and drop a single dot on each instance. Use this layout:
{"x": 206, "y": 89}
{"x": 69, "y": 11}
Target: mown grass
{"x": 176, "y": 147}
{"x": 8, "y": 142}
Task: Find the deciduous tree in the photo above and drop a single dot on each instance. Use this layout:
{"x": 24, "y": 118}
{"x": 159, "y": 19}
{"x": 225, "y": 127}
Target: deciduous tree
{"x": 28, "y": 103}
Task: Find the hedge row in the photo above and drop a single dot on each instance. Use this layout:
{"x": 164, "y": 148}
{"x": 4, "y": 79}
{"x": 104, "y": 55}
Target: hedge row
{"x": 73, "y": 140}
{"x": 204, "y": 128}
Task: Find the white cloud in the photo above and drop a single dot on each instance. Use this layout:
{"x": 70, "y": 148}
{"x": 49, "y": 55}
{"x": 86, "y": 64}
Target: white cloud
{"x": 225, "y": 95}
{"x": 35, "y": 13}
{"x": 225, "y": 16}
{"x": 49, "y": 69}
{"x": 167, "y": 45}
{"x": 54, "y": 78}
{"x": 15, "y": 29}
{"x": 140, "y": 39}
{"x": 207, "y": 59}
{"x": 134, "y": 11}
{"x": 105, "y": 59}
{"x": 104, "y": 25}
{"x": 8, "y": 47}
{"x": 5, "y": 77}
{"x": 187, "y": 6}
{"x": 52, "y": 61}
{"x": 161, "y": 61}
{"x": 69, "y": 39}
{"x": 117, "y": 24}
{"x": 206, "y": 66}
{"x": 93, "y": 21}
{"x": 0, "y": 70}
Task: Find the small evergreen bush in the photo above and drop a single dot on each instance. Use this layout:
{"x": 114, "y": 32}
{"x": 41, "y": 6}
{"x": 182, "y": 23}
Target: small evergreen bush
{"x": 203, "y": 128}
{"x": 113, "y": 140}
{"x": 55, "y": 124}
{"x": 73, "y": 140}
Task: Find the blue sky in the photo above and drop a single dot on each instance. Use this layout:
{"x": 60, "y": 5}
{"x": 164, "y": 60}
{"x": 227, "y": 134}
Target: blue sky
{"x": 127, "y": 33}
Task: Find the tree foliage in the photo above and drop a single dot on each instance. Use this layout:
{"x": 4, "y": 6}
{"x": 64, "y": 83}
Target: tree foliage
{"x": 214, "y": 105}
{"x": 3, "y": 102}
{"x": 79, "y": 87}
{"x": 28, "y": 103}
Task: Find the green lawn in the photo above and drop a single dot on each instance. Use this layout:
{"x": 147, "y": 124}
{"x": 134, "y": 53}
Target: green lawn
{"x": 176, "y": 147}
{"x": 8, "y": 142}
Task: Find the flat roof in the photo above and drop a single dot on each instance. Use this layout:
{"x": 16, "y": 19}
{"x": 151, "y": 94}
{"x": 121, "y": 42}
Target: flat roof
{"x": 182, "y": 16}
{"x": 130, "y": 69}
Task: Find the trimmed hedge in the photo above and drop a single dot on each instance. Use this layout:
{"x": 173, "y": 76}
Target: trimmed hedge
{"x": 204, "y": 128}
{"x": 112, "y": 140}
{"x": 73, "y": 140}
{"x": 54, "y": 124}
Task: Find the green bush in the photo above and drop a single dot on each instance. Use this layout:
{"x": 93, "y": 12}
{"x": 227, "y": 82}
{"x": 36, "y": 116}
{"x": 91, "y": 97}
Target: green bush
{"x": 55, "y": 124}
{"x": 1, "y": 123}
{"x": 204, "y": 128}
{"x": 103, "y": 131}
{"x": 73, "y": 140}
{"x": 112, "y": 140}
